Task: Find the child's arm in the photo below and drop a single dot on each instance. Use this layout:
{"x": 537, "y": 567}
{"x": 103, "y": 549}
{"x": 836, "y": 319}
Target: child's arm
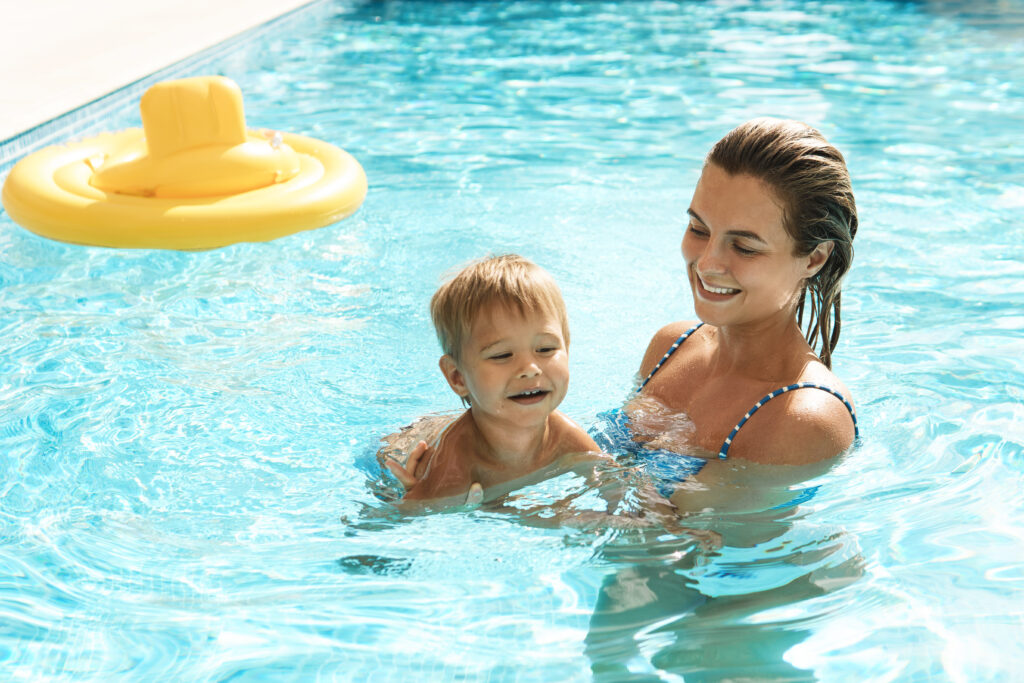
{"x": 399, "y": 445}
{"x": 413, "y": 476}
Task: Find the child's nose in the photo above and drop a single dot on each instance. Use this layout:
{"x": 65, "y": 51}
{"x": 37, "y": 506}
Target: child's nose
{"x": 530, "y": 369}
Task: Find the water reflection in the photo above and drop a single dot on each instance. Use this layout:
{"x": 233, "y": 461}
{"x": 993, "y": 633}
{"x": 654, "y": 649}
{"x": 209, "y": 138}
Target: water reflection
{"x": 729, "y": 612}
{"x": 726, "y": 591}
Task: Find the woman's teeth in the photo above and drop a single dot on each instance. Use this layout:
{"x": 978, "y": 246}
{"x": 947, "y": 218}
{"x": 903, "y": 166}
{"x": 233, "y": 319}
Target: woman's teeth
{"x": 718, "y": 290}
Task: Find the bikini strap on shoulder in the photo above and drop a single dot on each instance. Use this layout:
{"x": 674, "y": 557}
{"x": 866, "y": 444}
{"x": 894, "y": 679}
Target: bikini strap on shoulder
{"x": 723, "y": 453}
{"x": 668, "y": 354}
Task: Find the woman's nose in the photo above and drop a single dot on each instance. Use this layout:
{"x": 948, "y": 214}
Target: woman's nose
{"x": 710, "y": 259}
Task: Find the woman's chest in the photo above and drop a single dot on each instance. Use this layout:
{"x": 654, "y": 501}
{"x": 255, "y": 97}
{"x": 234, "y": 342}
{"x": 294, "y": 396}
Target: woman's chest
{"x": 715, "y": 405}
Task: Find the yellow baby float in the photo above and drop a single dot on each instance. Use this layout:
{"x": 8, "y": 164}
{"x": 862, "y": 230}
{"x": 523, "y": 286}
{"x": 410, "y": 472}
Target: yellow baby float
{"x": 193, "y": 178}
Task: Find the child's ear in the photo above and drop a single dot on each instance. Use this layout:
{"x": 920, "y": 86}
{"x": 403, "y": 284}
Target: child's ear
{"x": 454, "y": 376}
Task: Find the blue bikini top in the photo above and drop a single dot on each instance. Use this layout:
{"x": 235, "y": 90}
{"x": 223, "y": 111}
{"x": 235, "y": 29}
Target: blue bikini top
{"x": 613, "y": 432}
{"x": 723, "y": 452}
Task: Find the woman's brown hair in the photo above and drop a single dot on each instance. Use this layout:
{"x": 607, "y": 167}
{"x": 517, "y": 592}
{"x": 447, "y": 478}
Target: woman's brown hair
{"x": 809, "y": 176}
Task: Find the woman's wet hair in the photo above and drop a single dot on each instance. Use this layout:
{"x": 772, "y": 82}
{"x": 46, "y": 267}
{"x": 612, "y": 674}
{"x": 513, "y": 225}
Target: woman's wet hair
{"x": 810, "y": 178}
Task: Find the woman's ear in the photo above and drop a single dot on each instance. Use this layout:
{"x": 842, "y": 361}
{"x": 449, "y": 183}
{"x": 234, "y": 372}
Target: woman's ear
{"x": 819, "y": 257}
{"x": 453, "y": 375}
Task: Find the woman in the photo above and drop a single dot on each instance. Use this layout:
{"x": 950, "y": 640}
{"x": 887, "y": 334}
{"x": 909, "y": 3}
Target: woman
{"x": 770, "y": 236}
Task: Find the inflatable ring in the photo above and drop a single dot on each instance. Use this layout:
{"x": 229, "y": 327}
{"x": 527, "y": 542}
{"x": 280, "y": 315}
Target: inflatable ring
{"x": 193, "y": 178}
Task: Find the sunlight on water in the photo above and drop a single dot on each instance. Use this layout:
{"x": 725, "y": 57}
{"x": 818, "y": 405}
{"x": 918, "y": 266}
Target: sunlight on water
{"x": 189, "y": 488}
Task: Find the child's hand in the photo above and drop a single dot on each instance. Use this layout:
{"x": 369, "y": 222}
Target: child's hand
{"x": 407, "y": 474}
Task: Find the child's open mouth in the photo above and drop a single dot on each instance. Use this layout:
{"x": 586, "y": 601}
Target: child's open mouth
{"x": 530, "y": 396}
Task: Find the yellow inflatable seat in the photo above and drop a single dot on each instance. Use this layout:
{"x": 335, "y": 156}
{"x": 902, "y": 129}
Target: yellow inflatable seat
{"x": 193, "y": 178}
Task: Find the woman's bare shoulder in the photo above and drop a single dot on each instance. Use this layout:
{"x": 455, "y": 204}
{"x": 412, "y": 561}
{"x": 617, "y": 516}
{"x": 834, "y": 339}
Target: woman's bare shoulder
{"x": 819, "y": 374}
{"x": 801, "y": 427}
{"x": 818, "y": 427}
{"x": 662, "y": 341}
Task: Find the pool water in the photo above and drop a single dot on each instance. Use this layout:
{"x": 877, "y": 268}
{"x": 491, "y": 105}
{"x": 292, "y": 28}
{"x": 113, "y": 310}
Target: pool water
{"x": 187, "y": 482}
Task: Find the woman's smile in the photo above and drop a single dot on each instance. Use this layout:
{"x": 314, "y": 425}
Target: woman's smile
{"x": 712, "y": 292}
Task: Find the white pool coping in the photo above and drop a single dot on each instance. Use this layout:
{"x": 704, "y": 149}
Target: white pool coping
{"x": 58, "y": 55}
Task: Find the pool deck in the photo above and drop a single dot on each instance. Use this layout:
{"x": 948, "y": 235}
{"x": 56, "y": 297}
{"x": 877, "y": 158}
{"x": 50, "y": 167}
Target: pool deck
{"x": 60, "y": 54}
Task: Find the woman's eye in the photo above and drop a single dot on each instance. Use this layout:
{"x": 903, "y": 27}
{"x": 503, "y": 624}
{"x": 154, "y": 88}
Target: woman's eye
{"x": 697, "y": 232}
{"x": 744, "y": 251}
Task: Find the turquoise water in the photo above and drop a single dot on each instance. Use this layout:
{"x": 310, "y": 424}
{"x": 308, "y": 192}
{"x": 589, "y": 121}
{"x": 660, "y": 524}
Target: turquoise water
{"x": 187, "y": 488}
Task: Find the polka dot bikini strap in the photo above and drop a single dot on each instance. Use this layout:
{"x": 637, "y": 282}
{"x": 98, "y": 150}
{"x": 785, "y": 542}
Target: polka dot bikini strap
{"x": 779, "y": 392}
{"x": 664, "y": 358}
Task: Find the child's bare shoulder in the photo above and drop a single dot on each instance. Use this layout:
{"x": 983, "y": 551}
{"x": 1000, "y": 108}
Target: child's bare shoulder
{"x": 569, "y": 436}
{"x": 399, "y": 445}
{"x": 447, "y": 472}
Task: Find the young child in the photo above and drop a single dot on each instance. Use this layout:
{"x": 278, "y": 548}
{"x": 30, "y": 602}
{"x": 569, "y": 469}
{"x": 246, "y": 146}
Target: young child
{"x": 504, "y": 331}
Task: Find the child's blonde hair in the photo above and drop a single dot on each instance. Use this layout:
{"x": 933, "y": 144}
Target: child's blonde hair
{"x": 509, "y": 280}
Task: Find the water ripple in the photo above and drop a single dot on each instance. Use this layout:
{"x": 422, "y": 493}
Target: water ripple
{"x": 187, "y": 486}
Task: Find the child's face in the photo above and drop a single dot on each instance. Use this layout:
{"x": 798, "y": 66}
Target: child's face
{"x": 513, "y": 367}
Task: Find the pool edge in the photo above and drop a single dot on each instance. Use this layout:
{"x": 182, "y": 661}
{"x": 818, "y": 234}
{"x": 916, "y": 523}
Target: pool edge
{"x": 51, "y": 130}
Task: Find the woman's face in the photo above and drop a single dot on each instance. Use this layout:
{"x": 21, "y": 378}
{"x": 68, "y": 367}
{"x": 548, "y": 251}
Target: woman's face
{"x": 739, "y": 257}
